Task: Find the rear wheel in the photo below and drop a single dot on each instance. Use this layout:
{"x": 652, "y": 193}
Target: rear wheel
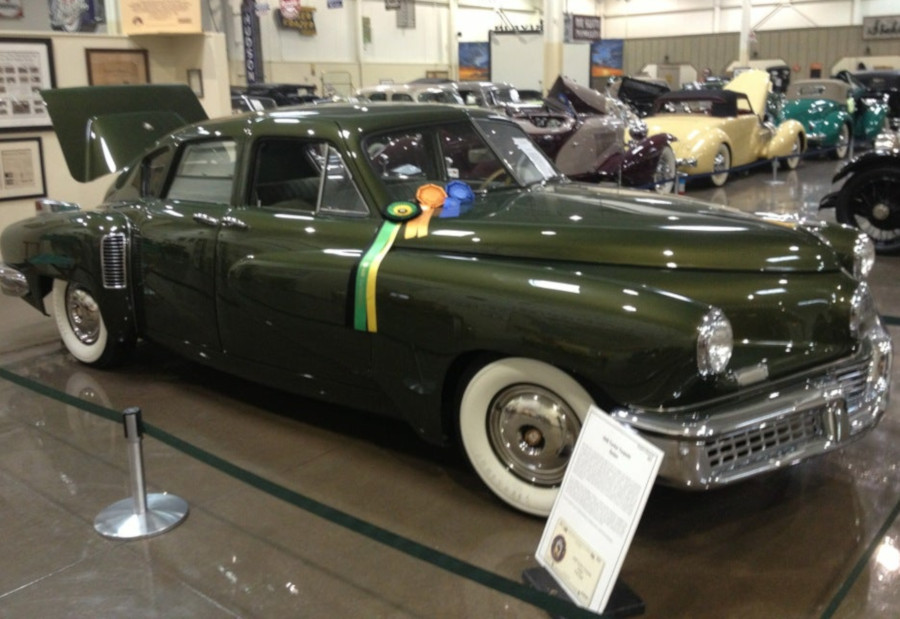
{"x": 793, "y": 160}
{"x": 81, "y": 327}
{"x": 721, "y": 165}
{"x": 842, "y": 146}
{"x": 518, "y": 423}
{"x": 870, "y": 201}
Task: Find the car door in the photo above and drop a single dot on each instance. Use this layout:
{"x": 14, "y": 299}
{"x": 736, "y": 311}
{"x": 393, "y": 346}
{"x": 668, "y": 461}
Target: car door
{"x": 176, "y": 246}
{"x": 285, "y": 270}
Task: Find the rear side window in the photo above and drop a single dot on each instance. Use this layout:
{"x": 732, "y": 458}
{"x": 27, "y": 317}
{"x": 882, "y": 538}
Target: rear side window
{"x": 205, "y": 172}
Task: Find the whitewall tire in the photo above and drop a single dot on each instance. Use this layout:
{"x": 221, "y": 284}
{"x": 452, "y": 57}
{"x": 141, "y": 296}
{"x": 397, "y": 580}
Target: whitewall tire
{"x": 518, "y": 422}
{"x": 80, "y": 323}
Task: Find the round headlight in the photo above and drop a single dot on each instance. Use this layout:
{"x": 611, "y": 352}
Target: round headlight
{"x": 715, "y": 343}
{"x": 863, "y": 257}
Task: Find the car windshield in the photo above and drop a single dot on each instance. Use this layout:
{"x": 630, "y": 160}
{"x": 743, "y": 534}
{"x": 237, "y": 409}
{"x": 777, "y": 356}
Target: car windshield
{"x": 485, "y": 154}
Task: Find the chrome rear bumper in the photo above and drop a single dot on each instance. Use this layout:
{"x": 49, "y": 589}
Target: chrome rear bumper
{"x": 12, "y": 281}
{"x": 780, "y": 426}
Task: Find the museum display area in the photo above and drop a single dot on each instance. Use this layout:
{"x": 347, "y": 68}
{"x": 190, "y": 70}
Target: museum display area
{"x": 343, "y": 358}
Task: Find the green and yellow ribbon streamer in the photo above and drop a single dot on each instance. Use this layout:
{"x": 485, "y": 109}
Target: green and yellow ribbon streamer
{"x": 364, "y": 314}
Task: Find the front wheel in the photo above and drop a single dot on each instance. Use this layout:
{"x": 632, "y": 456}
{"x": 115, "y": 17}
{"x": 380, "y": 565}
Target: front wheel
{"x": 664, "y": 177}
{"x": 518, "y": 422}
{"x": 81, "y": 327}
{"x": 870, "y": 201}
{"x": 842, "y": 146}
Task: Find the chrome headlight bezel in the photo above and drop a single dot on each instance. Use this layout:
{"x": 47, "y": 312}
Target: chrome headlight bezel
{"x": 715, "y": 343}
{"x": 862, "y": 309}
{"x": 863, "y": 257}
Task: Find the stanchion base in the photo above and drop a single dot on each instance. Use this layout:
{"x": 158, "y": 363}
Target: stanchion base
{"x": 623, "y": 601}
{"x": 164, "y": 512}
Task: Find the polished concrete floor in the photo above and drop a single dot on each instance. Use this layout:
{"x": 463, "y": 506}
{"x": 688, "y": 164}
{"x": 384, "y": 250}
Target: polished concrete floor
{"x": 819, "y": 539}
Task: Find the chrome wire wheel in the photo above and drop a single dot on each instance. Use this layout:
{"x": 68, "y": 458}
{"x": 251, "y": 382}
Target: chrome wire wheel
{"x": 83, "y": 314}
{"x": 721, "y": 165}
{"x": 533, "y": 432}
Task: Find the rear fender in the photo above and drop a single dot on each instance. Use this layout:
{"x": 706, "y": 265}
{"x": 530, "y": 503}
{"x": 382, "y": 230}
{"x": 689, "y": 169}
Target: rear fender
{"x": 88, "y": 247}
{"x": 867, "y": 161}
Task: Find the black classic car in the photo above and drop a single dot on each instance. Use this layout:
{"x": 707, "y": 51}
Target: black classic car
{"x": 429, "y": 263}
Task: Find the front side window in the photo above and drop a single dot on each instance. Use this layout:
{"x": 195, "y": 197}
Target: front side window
{"x": 487, "y": 154}
{"x": 205, "y": 172}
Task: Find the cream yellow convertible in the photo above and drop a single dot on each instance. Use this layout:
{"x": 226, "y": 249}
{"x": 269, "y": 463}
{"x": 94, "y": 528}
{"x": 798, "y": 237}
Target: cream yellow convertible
{"x": 720, "y": 130}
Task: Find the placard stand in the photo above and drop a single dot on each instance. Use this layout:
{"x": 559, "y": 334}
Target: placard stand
{"x": 623, "y": 601}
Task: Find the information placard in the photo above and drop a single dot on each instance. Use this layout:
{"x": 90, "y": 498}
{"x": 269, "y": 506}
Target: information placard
{"x": 161, "y": 17}
{"x": 600, "y": 502}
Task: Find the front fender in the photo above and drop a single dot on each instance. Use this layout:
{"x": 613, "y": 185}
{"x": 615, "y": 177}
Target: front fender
{"x": 782, "y": 143}
{"x": 638, "y": 161}
{"x": 868, "y": 160}
{"x": 701, "y": 145}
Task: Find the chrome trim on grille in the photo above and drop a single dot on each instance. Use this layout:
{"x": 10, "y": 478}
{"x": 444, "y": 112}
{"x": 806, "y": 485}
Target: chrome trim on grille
{"x": 113, "y": 260}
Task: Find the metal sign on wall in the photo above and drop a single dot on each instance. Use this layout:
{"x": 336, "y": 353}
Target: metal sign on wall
{"x": 304, "y": 22}
{"x": 884, "y": 27}
{"x": 582, "y": 28}
{"x": 253, "y": 66}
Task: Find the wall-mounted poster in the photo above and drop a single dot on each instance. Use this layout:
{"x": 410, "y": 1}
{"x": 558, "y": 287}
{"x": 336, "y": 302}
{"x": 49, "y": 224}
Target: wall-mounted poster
{"x": 11, "y": 9}
{"x": 26, "y": 67}
{"x": 21, "y": 169}
{"x": 76, "y": 15}
{"x": 606, "y": 58}
{"x": 475, "y": 61}
{"x": 117, "y": 66}
{"x": 161, "y": 16}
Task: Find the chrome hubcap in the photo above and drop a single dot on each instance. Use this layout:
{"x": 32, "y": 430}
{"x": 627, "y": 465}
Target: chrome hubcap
{"x": 881, "y": 211}
{"x": 533, "y": 431}
{"x": 84, "y": 315}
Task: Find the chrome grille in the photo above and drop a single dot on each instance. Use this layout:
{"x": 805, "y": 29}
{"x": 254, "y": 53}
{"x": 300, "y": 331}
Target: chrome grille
{"x": 773, "y": 439}
{"x": 853, "y": 380}
{"x": 112, "y": 260}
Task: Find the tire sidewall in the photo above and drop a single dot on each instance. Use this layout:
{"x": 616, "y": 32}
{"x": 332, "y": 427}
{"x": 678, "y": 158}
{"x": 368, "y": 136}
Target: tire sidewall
{"x": 720, "y": 178}
{"x": 473, "y": 410}
{"x": 90, "y": 354}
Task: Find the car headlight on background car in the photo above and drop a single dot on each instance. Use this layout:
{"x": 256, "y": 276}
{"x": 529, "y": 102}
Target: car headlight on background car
{"x": 863, "y": 257}
{"x": 715, "y": 342}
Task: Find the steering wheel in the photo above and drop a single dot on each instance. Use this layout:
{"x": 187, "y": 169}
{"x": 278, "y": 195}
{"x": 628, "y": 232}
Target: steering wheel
{"x": 494, "y": 176}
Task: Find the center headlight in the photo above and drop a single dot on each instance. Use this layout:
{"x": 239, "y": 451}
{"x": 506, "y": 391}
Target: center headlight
{"x": 863, "y": 257}
{"x": 715, "y": 342}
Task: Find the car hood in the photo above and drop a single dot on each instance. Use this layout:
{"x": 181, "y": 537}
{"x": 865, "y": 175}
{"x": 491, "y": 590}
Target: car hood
{"x": 581, "y": 223}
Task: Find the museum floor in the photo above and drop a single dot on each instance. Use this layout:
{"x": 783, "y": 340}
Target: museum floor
{"x": 818, "y": 540}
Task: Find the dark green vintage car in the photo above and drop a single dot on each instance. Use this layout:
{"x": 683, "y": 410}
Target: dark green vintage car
{"x": 429, "y": 263}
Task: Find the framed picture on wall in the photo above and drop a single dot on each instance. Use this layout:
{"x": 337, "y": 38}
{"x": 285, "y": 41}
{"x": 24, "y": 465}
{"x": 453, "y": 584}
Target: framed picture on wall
{"x": 26, "y": 67}
{"x": 117, "y": 66}
{"x": 22, "y": 169}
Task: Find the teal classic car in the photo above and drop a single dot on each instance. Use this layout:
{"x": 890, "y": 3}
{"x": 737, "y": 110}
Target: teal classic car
{"x": 429, "y": 263}
{"x": 833, "y": 114}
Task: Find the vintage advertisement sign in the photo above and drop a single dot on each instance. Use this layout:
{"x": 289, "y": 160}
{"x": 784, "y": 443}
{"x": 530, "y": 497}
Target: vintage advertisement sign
{"x": 304, "y": 22}
{"x": 253, "y": 62}
{"x": 884, "y": 27}
{"x": 161, "y": 16}
{"x": 11, "y": 9}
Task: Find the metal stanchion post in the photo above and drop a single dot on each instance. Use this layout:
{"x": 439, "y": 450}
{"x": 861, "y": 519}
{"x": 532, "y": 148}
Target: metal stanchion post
{"x": 774, "y": 180}
{"x": 142, "y": 515}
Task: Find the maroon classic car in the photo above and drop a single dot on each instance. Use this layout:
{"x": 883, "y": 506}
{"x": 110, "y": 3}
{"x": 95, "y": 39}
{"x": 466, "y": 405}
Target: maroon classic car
{"x": 594, "y": 137}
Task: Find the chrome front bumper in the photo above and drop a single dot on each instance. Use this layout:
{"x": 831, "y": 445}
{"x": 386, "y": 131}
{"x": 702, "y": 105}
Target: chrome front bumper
{"x": 12, "y": 281}
{"x": 790, "y": 421}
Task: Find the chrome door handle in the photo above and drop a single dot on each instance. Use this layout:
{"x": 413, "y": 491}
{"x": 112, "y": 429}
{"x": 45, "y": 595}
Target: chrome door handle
{"x": 206, "y": 220}
{"x": 233, "y": 222}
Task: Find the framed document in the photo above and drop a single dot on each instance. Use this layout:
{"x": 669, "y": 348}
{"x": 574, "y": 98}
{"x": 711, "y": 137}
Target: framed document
{"x": 26, "y": 67}
{"x": 22, "y": 169}
{"x": 117, "y": 66}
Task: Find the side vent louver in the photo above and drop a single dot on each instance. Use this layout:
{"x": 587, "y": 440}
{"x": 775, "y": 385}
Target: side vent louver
{"x": 113, "y": 251}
